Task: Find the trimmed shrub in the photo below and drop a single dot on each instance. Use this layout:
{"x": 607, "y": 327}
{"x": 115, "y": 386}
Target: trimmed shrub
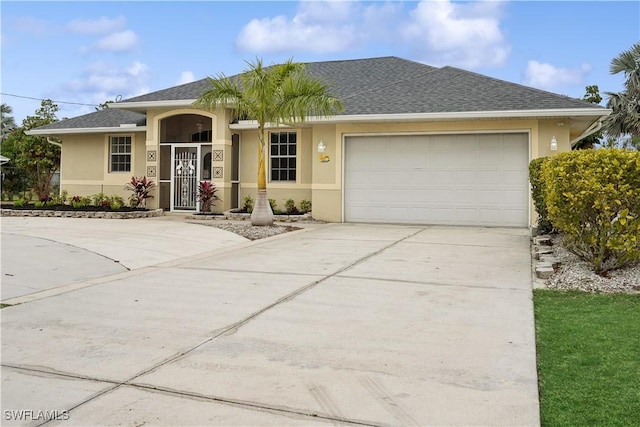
{"x": 593, "y": 196}
{"x": 305, "y": 206}
{"x": 100, "y": 199}
{"x": 247, "y": 203}
{"x": 273, "y": 204}
{"x": 290, "y": 206}
{"x": 537, "y": 194}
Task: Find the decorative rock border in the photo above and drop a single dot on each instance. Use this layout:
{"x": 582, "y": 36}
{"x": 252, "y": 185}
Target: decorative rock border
{"x": 545, "y": 263}
{"x": 234, "y": 216}
{"x": 81, "y": 214}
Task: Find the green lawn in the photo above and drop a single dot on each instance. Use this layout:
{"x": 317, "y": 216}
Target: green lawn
{"x": 588, "y": 358}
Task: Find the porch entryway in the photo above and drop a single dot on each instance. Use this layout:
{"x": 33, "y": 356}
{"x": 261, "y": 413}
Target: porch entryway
{"x": 183, "y": 166}
{"x": 185, "y": 160}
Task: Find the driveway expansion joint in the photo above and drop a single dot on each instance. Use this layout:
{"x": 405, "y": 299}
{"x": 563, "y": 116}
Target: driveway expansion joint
{"x": 252, "y": 405}
{"x": 235, "y": 326}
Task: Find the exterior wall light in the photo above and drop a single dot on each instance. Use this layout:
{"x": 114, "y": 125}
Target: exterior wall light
{"x": 321, "y": 147}
{"x": 554, "y": 144}
{"x": 199, "y": 125}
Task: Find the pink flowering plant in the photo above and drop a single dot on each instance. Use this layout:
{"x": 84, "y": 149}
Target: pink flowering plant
{"x": 207, "y": 195}
{"x": 141, "y": 189}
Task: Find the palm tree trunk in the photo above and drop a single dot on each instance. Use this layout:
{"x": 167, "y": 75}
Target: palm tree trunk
{"x": 262, "y": 213}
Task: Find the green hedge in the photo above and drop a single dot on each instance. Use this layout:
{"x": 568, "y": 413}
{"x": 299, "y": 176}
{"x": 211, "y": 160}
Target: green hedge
{"x": 593, "y": 196}
{"x": 537, "y": 194}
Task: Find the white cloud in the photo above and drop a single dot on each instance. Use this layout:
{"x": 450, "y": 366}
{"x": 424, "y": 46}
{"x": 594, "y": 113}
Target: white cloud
{"x": 318, "y": 26}
{"x": 104, "y": 81}
{"x": 102, "y": 25}
{"x": 440, "y": 32}
{"x": 28, "y": 24}
{"x": 185, "y": 77}
{"x": 548, "y": 77}
{"x": 460, "y": 34}
{"x": 118, "y": 42}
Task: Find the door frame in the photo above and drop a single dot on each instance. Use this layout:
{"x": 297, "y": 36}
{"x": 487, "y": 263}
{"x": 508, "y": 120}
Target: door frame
{"x": 198, "y": 147}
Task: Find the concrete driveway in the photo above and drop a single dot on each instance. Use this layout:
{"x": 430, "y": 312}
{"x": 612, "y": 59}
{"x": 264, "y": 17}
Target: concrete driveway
{"x": 339, "y": 324}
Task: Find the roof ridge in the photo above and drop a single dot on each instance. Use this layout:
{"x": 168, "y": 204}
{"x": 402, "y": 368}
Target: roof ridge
{"x": 351, "y": 60}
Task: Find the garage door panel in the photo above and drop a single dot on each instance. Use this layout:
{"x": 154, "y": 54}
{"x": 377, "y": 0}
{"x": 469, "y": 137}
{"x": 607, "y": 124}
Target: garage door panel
{"x": 471, "y": 179}
{"x": 490, "y": 178}
{"x": 399, "y": 177}
{"x": 490, "y": 159}
{"x": 466, "y": 197}
{"x": 420, "y": 177}
{"x": 399, "y": 197}
{"x": 514, "y": 178}
{"x": 512, "y": 157}
{"x": 466, "y": 178}
{"x": 490, "y": 197}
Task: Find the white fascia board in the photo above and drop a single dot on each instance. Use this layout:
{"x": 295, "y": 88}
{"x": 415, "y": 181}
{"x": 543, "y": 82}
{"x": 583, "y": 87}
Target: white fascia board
{"x": 564, "y": 112}
{"x": 143, "y": 105}
{"x": 466, "y": 115}
{"x": 253, "y": 125}
{"x": 86, "y": 130}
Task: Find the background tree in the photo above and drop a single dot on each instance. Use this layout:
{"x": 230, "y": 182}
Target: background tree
{"x": 103, "y": 106}
{"x": 8, "y": 123}
{"x": 592, "y": 95}
{"x": 38, "y": 159}
{"x": 281, "y": 93}
{"x": 625, "y": 118}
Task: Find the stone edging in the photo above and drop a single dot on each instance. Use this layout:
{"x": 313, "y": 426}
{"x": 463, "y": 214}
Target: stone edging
{"x": 81, "y": 214}
{"x": 545, "y": 263}
{"x": 232, "y": 216}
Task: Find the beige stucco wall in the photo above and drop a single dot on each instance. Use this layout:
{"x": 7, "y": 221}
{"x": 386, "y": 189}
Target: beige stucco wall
{"x": 85, "y": 165}
{"x": 85, "y": 157}
{"x": 279, "y": 191}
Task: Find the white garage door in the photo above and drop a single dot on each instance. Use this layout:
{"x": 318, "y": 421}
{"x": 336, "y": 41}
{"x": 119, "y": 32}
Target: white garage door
{"x": 470, "y": 179}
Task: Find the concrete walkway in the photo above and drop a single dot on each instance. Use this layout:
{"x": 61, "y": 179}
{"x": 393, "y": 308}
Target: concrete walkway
{"x": 339, "y": 324}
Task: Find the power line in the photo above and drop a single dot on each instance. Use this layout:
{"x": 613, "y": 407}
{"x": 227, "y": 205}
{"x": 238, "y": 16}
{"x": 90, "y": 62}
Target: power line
{"x": 43, "y": 99}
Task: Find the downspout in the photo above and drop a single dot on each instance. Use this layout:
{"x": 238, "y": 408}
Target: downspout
{"x": 595, "y": 127}
{"x": 59, "y": 144}
{"x": 51, "y": 141}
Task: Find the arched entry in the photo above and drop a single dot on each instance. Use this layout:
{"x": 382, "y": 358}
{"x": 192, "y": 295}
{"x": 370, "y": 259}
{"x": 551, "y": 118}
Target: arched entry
{"x": 185, "y": 160}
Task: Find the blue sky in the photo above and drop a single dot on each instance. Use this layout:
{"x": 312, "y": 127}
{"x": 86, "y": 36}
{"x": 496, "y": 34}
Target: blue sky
{"x": 89, "y": 52}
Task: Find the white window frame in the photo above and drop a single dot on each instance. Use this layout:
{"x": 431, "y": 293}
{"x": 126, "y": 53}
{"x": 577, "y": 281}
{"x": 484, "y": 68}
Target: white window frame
{"x": 284, "y": 156}
{"x": 112, "y": 153}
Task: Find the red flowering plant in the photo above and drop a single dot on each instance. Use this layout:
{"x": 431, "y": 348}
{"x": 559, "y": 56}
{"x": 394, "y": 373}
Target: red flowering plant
{"x": 141, "y": 189}
{"x": 207, "y": 195}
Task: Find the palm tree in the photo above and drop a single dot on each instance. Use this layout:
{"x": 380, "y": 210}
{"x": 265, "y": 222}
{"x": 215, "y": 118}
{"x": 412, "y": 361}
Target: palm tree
{"x": 279, "y": 94}
{"x": 625, "y": 118}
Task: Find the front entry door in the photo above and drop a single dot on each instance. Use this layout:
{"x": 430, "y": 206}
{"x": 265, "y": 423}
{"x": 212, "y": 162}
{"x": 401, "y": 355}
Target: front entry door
{"x": 185, "y": 177}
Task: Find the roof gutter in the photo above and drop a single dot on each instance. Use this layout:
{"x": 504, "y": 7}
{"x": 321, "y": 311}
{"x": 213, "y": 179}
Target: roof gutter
{"x": 464, "y": 115}
{"x": 144, "y": 105}
{"x": 593, "y": 128}
{"x": 559, "y": 112}
{"x": 51, "y": 141}
{"x": 68, "y": 131}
